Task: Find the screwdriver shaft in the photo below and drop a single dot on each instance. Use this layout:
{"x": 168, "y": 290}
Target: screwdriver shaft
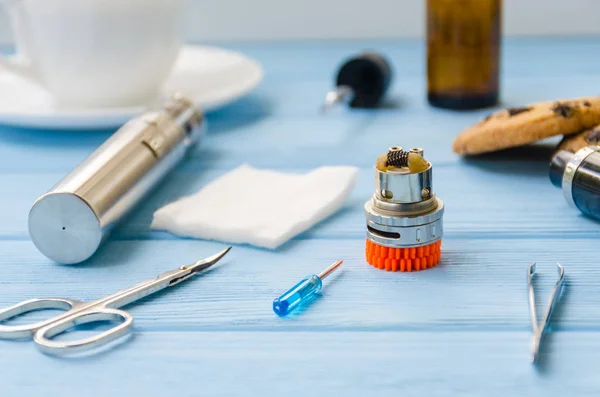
{"x": 330, "y": 269}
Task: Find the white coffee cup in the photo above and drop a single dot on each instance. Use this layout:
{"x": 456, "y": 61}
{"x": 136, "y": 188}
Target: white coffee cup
{"x": 96, "y": 53}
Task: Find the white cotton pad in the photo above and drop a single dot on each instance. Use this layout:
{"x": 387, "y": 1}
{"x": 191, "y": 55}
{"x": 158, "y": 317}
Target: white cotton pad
{"x": 259, "y": 207}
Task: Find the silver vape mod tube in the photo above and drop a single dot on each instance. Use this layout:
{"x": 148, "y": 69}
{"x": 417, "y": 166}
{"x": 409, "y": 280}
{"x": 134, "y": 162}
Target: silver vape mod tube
{"x": 68, "y": 223}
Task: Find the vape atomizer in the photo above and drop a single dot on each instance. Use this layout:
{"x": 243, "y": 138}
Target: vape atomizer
{"x": 404, "y": 217}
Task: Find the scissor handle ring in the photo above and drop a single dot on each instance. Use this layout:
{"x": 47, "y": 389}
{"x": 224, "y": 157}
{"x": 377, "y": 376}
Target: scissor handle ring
{"x": 27, "y": 330}
{"x": 43, "y": 337}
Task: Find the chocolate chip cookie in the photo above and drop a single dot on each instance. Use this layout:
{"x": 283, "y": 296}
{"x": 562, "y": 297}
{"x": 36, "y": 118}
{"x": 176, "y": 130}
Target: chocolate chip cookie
{"x": 523, "y": 125}
{"x": 573, "y": 143}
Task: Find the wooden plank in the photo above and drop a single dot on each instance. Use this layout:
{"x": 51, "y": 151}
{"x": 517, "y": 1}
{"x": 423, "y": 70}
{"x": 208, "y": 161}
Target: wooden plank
{"x": 280, "y": 137}
{"x": 480, "y": 285}
{"x": 483, "y": 198}
{"x": 494, "y": 364}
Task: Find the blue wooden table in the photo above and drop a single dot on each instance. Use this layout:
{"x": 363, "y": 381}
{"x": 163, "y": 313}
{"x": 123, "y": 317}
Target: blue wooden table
{"x": 460, "y": 329}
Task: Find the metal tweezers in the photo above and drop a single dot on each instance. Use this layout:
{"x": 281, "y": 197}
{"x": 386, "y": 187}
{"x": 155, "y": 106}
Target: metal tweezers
{"x": 540, "y": 329}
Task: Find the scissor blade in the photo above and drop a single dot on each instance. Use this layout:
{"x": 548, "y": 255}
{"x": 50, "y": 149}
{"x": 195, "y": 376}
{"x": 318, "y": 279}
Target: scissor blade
{"x": 194, "y": 268}
{"x": 205, "y": 263}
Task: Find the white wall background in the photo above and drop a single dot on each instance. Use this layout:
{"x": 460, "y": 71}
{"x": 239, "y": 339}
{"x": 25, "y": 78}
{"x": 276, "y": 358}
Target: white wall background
{"x": 226, "y": 20}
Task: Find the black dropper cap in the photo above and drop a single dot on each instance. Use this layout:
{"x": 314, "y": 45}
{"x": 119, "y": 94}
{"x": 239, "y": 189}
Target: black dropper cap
{"x": 363, "y": 79}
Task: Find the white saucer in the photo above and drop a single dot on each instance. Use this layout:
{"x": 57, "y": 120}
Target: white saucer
{"x": 211, "y": 76}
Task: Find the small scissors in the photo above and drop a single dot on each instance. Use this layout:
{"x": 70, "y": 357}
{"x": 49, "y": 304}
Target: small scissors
{"x": 103, "y": 309}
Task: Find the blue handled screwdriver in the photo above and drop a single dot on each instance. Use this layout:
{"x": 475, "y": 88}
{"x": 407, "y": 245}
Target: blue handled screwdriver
{"x": 302, "y": 292}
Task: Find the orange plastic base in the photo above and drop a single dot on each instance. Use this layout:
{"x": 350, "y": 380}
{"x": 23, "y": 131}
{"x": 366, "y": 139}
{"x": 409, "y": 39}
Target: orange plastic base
{"x": 403, "y": 259}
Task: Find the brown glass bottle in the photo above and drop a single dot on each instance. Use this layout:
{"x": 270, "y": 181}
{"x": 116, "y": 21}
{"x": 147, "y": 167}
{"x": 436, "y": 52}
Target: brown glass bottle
{"x": 463, "y": 53}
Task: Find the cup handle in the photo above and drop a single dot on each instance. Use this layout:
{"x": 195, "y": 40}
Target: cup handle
{"x": 15, "y": 64}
